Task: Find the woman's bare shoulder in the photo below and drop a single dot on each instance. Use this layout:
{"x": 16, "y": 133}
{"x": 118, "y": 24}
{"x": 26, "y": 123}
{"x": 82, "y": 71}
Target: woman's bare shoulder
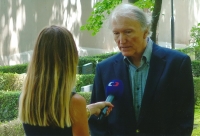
{"x": 78, "y": 108}
{"x": 78, "y": 100}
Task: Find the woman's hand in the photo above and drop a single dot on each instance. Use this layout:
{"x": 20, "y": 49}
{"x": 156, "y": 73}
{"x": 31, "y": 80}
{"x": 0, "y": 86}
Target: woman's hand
{"x": 95, "y": 108}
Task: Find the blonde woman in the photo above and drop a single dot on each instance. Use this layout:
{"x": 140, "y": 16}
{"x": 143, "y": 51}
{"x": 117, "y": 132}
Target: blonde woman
{"x": 47, "y": 104}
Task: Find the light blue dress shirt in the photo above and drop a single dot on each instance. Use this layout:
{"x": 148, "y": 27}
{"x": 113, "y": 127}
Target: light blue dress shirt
{"x": 138, "y": 76}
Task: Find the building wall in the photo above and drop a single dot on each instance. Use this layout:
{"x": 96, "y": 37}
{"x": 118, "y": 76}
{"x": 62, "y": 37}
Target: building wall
{"x": 186, "y": 15}
{"x": 22, "y": 20}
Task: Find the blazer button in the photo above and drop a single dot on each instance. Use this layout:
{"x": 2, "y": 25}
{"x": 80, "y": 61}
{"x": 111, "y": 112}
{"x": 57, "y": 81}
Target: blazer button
{"x": 137, "y": 131}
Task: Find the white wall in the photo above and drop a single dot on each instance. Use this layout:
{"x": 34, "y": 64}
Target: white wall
{"x": 186, "y": 14}
{"x": 22, "y": 20}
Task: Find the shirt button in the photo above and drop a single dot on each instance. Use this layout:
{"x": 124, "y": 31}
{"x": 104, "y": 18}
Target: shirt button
{"x": 137, "y": 131}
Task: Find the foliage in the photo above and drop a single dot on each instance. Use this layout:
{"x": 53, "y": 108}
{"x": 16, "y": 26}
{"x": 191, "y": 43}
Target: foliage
{"x": 9, "y": 99}
{"x": 94, "y": 60}
{"x": 195, "y": 35}
{"x": 11, "y": 81}
{"x": 145, "y": 4}
{"x": 196, "y": 130}
{"x": 196, "y": 68}
{"x": 103, "y": 8}
{"x": 15, "y": 128}
{"x": 197, "y": 90}
{"x": 187, "y": 50}
{"x": 19, "y": 69}
{"x": 195, "y": 40}
{"x": 86, "y": 95}
{"x": 11, "y": 128}
{"x": 83, "y": 80}
{"x": 8, "y": 105}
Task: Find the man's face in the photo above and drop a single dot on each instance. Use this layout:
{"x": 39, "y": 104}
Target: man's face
{"x": 129, "y": 36}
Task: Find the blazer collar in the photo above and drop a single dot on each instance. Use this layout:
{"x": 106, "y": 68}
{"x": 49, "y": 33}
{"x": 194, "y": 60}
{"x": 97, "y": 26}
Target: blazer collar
{"x": 157, "y": 65}
{"x": 120, "y": 68}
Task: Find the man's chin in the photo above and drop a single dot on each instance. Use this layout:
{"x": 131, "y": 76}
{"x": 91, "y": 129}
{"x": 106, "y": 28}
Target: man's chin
{"x": 127, "y": 54}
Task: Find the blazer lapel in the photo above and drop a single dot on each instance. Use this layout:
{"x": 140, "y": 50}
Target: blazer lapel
{"x": 122, "y": 73}
{"x": 157, "y": 64}
{"x": 121, "y": 69}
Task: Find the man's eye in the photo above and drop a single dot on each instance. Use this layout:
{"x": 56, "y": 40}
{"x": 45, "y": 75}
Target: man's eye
{"x": 128, "y": 32}
{"x": 115, "y": 33}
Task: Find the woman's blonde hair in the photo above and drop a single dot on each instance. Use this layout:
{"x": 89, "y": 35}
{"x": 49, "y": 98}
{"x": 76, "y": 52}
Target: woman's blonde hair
{"x": 51, "y": 76}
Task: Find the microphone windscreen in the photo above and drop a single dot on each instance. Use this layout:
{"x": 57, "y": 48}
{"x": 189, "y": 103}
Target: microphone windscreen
{"x": 115, "y": 88}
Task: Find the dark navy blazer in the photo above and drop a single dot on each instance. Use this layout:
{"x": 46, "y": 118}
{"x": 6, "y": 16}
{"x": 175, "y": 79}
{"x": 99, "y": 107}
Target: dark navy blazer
{"x": 168, "y": 102}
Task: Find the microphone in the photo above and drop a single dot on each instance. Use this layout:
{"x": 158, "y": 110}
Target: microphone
{"x": 114, "y": 90}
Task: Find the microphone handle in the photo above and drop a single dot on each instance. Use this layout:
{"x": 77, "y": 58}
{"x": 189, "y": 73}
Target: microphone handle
{"x": 109, "y": 98}
{"x": 104, "y": 110}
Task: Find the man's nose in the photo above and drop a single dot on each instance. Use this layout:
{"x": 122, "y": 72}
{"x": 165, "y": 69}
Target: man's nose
{"x": 122, "y": 38}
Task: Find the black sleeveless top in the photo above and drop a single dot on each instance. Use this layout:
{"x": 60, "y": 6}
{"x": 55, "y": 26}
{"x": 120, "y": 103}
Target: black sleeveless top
{"x": 31, "y": 130}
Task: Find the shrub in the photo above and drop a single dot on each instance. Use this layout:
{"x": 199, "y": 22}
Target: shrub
{"x": 19, "y": 69}
{"x": 11, "y": 128}
{"x": 11, "y": 81}
{"x": 197, "y": 90}
{"x": 22, "y": 68}
{"x": 195, "y": 35}
{"x": 14, "y": 82}
{"x": 196, "y": 68}
{"x": 9, "y": 98}
{"x": 93, "y": 59}
{"x": 83, "y": 80}
{"x": 86, "y": 95}
{"x": 8, "y": 105}
{"x": 187, "y": 50}
{"x": 15, "y": 128}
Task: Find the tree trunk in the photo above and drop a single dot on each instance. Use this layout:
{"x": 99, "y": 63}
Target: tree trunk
{"x": 155, "y": 17}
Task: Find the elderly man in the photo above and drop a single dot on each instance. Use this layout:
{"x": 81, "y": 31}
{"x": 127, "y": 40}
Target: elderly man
{"x": 158, "y": 95}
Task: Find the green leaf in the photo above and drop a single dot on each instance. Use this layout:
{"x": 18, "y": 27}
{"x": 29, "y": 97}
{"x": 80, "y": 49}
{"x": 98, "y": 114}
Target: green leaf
{"x": 104, "y": 8}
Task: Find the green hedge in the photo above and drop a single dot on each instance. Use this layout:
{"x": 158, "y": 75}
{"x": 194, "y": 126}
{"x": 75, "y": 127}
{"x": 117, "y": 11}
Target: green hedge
{"x": 10, "y": 88}
{"x": 11, "y": 81}
{"x": 21, "y": 68}
{"x": 188, "y": 50}
{"x": 12, "y": 128}
{"x": 196, "y": 68}
{"x": 14, "y": 82}
{"x": 9, "y": 104}
{"x": 83, "y": 80}
{"x": 197, "y": 90}
{"x": 93, "y": 59}
{"x": 9, "y": 100}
